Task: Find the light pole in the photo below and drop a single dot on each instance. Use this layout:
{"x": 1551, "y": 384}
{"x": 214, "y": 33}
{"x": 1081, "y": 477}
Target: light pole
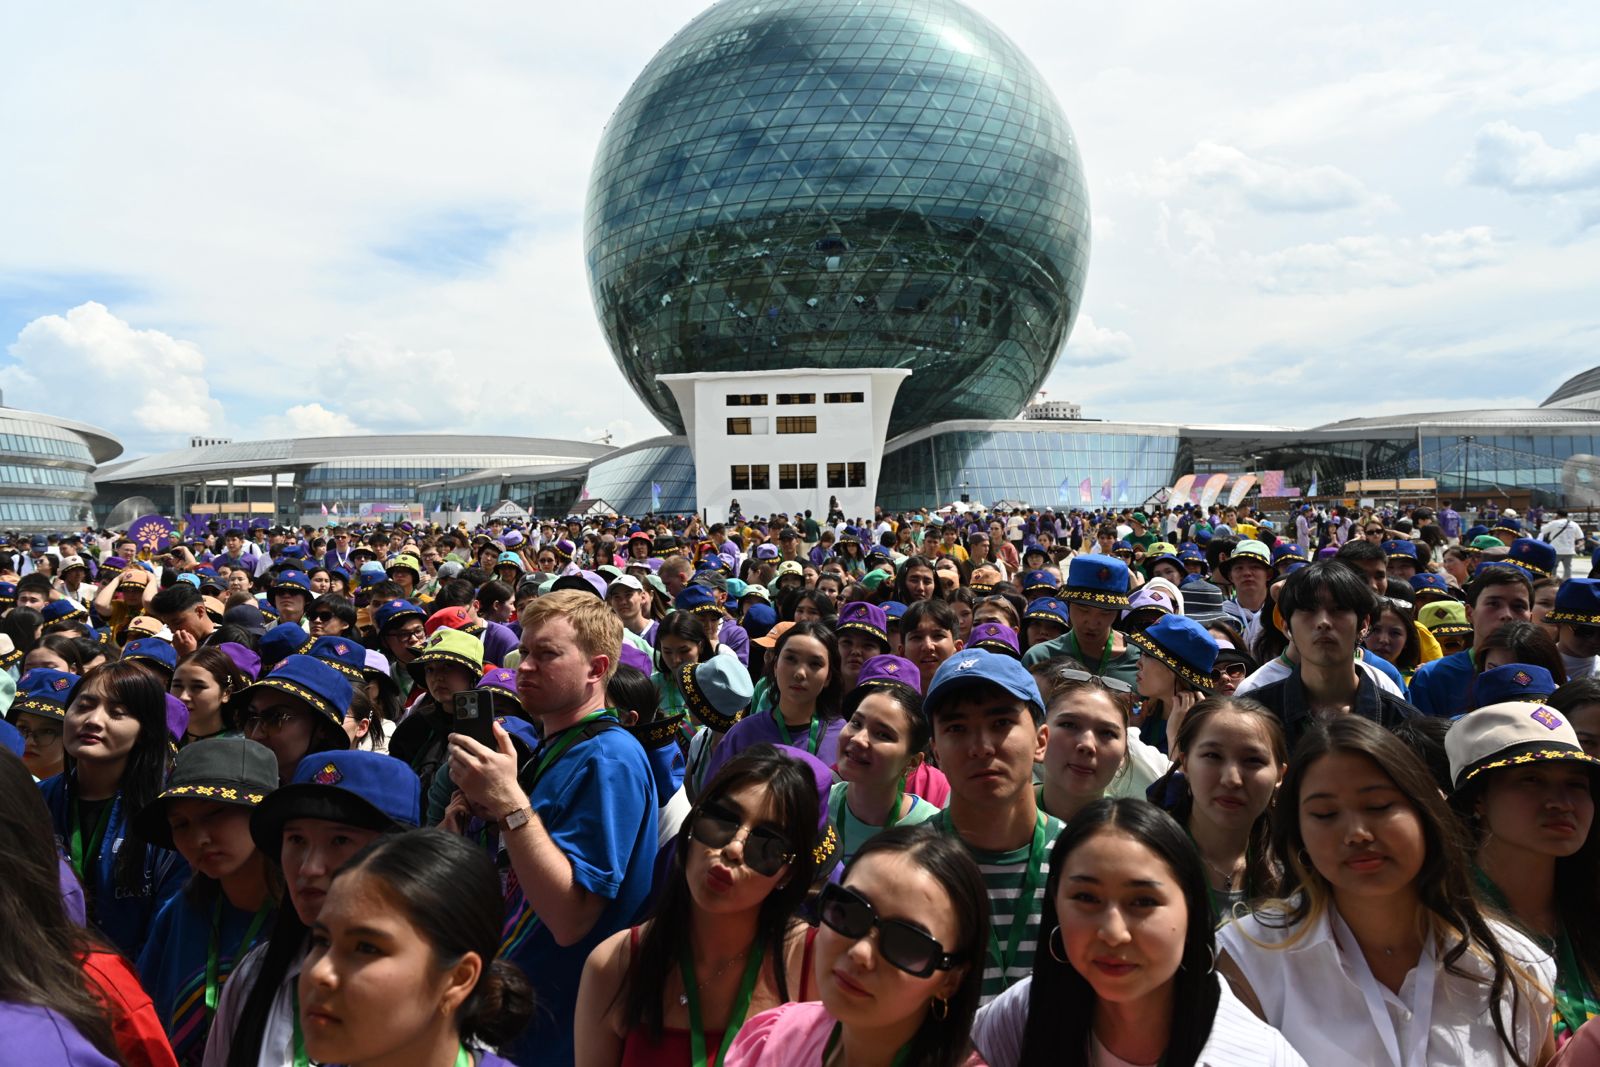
{"x": 1466, "y": 445}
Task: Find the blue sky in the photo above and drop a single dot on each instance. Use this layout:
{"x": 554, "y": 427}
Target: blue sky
{"x": 361, "y": 217}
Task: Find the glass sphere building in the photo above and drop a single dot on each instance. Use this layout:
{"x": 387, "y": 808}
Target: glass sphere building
{"x": 841, "y": 184}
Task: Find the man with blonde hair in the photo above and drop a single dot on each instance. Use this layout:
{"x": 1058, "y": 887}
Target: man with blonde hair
{"x": 578, "y": 822}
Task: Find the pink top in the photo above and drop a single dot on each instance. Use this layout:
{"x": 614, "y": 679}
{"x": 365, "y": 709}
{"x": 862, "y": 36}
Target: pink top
{"x": 791, "y": 1035}
{"x": 930, "y": 784}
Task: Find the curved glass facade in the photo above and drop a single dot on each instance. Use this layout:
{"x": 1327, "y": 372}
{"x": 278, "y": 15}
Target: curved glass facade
{"x": 1041, "y": 467}
{"x": 624, "y": 481}
{"x": 46, "y": 473}
{"x": 841, "y": 183}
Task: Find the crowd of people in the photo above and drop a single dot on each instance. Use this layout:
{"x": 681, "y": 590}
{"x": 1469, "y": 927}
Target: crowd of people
{"x": 1180, "y": 786}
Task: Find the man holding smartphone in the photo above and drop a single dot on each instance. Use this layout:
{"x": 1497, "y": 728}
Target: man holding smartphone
{"x": 579, "y": 824}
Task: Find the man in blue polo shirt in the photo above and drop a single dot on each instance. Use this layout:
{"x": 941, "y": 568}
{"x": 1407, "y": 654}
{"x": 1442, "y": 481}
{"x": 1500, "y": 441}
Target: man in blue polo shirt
{"x": 1498, "y": 593}
{"x": 579, "y": 827}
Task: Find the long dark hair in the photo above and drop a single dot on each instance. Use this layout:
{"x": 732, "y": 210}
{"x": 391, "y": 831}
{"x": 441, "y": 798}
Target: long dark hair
{"x": 144, "y": 694}
{"x": 685, "y": 626}
{"x": 1575, "y": 880}
{"x": 943, "y": 1042}
{"x": 1261, "y": 878}
{"x": 1061, "y": 1002}
{"x": 1528, "y": 643}
{"x": 229, "y": 678}
{"x": 793, "y": 789}
{"x": 828, "y": 699}
{"x": 22, "y": 626}
{"x": 450, "y": 892}
{"x": 1444, "y": 884}
{"x": 40, "y": 948}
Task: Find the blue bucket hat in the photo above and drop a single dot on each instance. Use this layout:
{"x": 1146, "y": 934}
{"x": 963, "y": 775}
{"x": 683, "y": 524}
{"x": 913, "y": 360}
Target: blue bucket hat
{"x": 1577, "y": 602}
{"x": 1096, "y": 582}
{"x": 1512, "y": 681}
{"x": 1401, "y": 550}
{"x": 510, "y": 559}
{"x": 759, "y": 619}
{"x": 696, "y": 599}
{"x": 45, "y": 692}
{"x": 893, "y": 612}
{"x": 1047, "y": 609}
{"x": 290, "y": 582}
{"x": 372, "y": 790}
{"x": 153, "y": 650}
{"x": 717, "y": 692}
{"x": 371, "y": 573}
{"x": 1183, "y": 646}
{"x": 282, "y": 641}
{"x": 347, "y": 657}
{"x": 314, "y": 681}
{"x": 1039, "y": 583}
{"x": 62, "y": 610}
{"x": 971, "y": 667}
{"x": 1534, "y": 556}
{"x": 395, "y": 611}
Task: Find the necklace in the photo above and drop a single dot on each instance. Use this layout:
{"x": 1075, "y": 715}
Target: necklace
{"x": 1226, "y": 876}
{"x": 722, "y": 968}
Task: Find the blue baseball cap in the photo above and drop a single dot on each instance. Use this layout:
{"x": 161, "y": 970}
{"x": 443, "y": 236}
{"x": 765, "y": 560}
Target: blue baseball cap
{"x": 372, "y": 790}
{"x": 973, "y": 667}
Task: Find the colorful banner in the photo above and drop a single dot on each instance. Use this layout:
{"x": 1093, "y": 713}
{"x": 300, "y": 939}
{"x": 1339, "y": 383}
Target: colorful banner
{"x": 1272, "y": 483}
{"x": 1242, "y": 486}
{"x": 1105, "y": 491}
{"x": 1212, "y": 489}
{"x": 1180, "y": 492}
{"x": 655, "y": 496}
{"x": 1122, "y": 491}
{"x": 1064, "y": 490}
{"x": 1085, "y": 493}
{"x": 153, "y": 533}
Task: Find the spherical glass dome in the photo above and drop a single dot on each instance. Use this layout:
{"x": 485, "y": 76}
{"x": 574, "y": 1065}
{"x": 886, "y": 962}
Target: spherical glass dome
{"x": 841, "y": 183}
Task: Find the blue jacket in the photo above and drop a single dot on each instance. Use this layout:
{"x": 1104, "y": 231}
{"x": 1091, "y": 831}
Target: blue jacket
{"x": 1443, "y": 687}
{"x": 123, "y": 917}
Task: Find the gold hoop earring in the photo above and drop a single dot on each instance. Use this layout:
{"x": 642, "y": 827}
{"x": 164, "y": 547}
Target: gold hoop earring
{"x": 1051, "y": 940}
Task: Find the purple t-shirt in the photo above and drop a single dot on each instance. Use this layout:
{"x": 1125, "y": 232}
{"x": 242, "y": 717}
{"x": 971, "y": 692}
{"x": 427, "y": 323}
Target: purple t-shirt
{"x": 762, "y": 729}
{"x": 40, "y": 1037}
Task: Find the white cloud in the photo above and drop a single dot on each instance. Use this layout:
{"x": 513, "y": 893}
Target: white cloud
{"x": 145, "y": 384}
{"x": 1522, "y": 161}
{"x": 1374, "y": 260}
{"x": 1093, "y": 345}
{"x": 1263, "y": 184}
{"x": 313, "y": 420}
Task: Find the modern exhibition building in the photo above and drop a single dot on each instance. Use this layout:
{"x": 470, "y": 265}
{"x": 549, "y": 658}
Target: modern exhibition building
{"x": 47, "y": 469}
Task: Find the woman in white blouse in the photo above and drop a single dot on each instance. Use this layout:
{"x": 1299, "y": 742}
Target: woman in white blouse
{"x": 1126, "y": 974}
{"x": 1377, "y": 954}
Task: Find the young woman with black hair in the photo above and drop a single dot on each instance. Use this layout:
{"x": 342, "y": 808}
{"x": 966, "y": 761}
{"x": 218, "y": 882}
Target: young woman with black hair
{"x": 885, "y": 737}
{"x": 1580, "y": 700}
{"x": 805, "y": 686}
{"x": 722, "y": 943}
{"x": 206, "y": 681}
{"x": 1393, "y": 635}
{"x": 117, "y": 755}
{"x": 681, "y": 638}
{"x": 899, "y": 963}
{"x": 403, "y": 964}
{"x": 1520, "y": 642}
{"x": 66, "y": 999}
{"x": 1232, "y": 754}
{"x": 1525, "y": 792}
{"x": 1126, "y": 974}
{"x": 1376, "y": 950}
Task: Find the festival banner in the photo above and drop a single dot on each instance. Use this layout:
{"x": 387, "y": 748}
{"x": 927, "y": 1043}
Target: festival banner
{"x": 1212, "y": 489}
{"x": 1240, "y": 488}
{"x": 1180, "y": 492}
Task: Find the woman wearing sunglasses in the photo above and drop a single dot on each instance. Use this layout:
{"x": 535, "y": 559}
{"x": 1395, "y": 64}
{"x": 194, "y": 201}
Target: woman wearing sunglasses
{"x": 1126, "y": 973}
{"x": 899, "y": 963}
{"x": 722, "y": 942}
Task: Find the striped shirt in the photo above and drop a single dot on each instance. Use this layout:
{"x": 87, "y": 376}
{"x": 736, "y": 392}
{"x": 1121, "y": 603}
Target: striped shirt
{"x": 1003, "y": 875}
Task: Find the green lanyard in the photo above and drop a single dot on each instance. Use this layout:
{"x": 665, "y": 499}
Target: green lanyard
{"x": 1105, "y": 657}
{"x": 212, "y": 982}
{"x": 463, "y": 1057}
{"x": 838, "y": 811}
{"x": 811, "y": 739}
{"x": 557, "y": 746}
{"x": 75, "y": 846}
{"x": 741, "y": 1006}
{"x": 833, "y": 1043}
{"x": 1031, "y": 881}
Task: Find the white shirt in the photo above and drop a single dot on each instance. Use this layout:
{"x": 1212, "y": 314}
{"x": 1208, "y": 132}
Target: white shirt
{"x": 1237, "y": 1039}
{"x": 1562, "y": 534}
{"x": 1322, "y": 995}
{"x": 1276, "y": 671}
{"x": 1580, "y": 666}
{"x": 277, "y": 1044}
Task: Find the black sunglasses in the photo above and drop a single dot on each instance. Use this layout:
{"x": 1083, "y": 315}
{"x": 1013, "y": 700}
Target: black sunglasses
{"x": 324, "y": 616}
{"x": 914, "y": 951}
{"x": 765, "y": 849}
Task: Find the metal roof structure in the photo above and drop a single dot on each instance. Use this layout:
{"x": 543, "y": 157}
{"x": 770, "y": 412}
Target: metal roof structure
{"x": 299, "y": 454}
{"x": 102, "y": 446}
{"x": 1541, "y": 418}
{"x": 1581, "y": 390}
